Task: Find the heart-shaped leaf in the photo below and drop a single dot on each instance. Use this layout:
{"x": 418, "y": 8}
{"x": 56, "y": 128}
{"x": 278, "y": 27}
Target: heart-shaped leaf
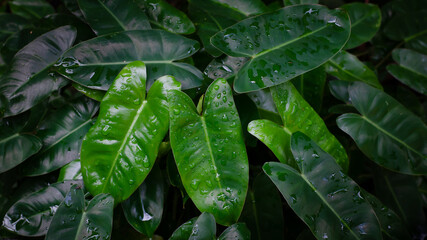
{"x": 386, "y": 131}
{"x": 109, "y": 16}
{"x": 411, "y": 70}
{"x": 283, "y": 44}
{"x": 204, "y": 227}
{"x": 71, "y": 171}
{"x": 76, "y": 219}
{"x": 28, "y": 82}
{"x": 365, "y": 21}
{"x": 297, "y": 115}
{"x": 144, "y": 208}
{"x": 236, "y": 231}
{"x": 120, "y": 149}
{"x": 32, "y": 215}
{"x": 158, "y": 49}
{"x": 62, "y": 133}
{"x": 327, "y": 200}
{"x": 209, "y": 151}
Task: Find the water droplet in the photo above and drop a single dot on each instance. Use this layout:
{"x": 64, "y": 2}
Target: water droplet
{"x": 131, "y": 181}
{"x": 106, "y": 130}
{"x": 216, "y": 87}
{"x": 136, "y": 101}
{"x": 194, "y": 184}
{"x": 176, "y": 111}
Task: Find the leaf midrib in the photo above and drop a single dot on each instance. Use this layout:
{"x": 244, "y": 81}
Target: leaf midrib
{"x": 124, "y": 141}
{"x": 347, "y": 72}
{"x": 414, "y": 71}
{"x": 112, "y": 14}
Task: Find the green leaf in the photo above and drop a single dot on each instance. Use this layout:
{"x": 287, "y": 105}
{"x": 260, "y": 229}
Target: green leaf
{"x": 263, "y": 212}
{"x": 31, "y": 9}
{"x": 184, "y": 231}
{"x": 109, "y": 16}
{"x": 411, "y": 70}
{"x": 204, "y": 227}
{"x": 28, "y": 82}
{"x": 348, "y": 67}
{"x": 92, "y": 93}
{"x": 283, "y": 44}
{"x": 32, "y": 214}
{"x": 386, "y": 131}
{"x": 237, "y": 9}
{"x": 311, "y": 86}
{"x": 295, "y": 2}
{"x": 15, "y": 144}
{"x": 237, "y": 231}
{"x": 339, "y": 89}
{"x": 225, "y": 67}
{"x": 265, "y": 105}
{"x": 165, "y": 16}
{"x": 76, "y": 220}
{"x": 9, "y": 24}
{"x": 18, "y": 40}
{"x": 62, "y": 133}
{"x": 321, "y": 193}
{"x": 297, "y": 115}
{"x": 209, "y": 151}
{"x": 144, "y": 208}
{"x": 71, "y": 171}
{"x": 365, "y": 21}
{"x": 158, "y": 49}
{"x": 120, "y": 149}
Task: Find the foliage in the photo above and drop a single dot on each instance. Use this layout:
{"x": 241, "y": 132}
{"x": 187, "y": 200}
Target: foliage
{"x": 213, "y": 119}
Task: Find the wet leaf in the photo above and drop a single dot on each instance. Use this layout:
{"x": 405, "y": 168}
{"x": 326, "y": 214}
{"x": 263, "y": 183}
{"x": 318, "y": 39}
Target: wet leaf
{"x": 237, "y": 231}
{"x": 283, "y": 44}
{"x": 92, "y": 93}
{"x": 311, "y": 85}
{"x": 156, "y": 48}
{"x": 183, "y": 232}
{"x": 295, "y": 2}
{"x": 209, "y": 151}
{"x": 71, "y": 171}
{"x": 120, "y": 149}
{"x": 322, "y": 193}
{"x": 76, "y": 220}
{"x": 386, "y": 131}
{"x": 225, "y": 67}
{"x": 204, "y": 227}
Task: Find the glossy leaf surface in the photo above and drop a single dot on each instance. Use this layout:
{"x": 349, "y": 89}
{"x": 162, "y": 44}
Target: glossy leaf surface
{"x": 74, "y": 220}
{"x": 109, "y": 16}
{"x": 28, "y": 82}
{"x": 311, "y": 86}
{"x": 144, "y": 208}
{"x": 237, "y": 9}
{"x": 365, "y": 22}
{"x": 120, "y": 149}
{"x": 327, "y": 200}
{"x": 62, "y": 133}
{"x": 295, "y": 2}
{"x": 32, "y": 215}
{"x": 163, "y": 15}
{"x": 386, "y": 131}
{"x": 204, "y": 227}
{"x": 71, "y": 171}
{"x": 348, "y": 67}
{"x": 225, "y": 67}
{"x": 34, "y": 9}
{"x": 156, "y": 48}
{"x": 92, "y": 93}
{"x": 209, "y": 151}
{"x": 411, "y": 70}
{"x": 283, "y": 44}
{"x": 237, "y": 231}
{"x": 183, "y": 232}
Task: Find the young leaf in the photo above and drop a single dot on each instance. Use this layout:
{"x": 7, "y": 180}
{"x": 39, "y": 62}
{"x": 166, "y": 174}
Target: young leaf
{"x": 184, "y": 231}
{"x": 348, "y": 67}
{"x": 109, "y": 16}
{"x": 236, "y": 231}
{"x": 365, "y": 22}
{"x": 204, "y": 227}
{"x": 386, "y": 131}
{"x": 32, "y": 215}
{"x": 120, "y": 149}
{"x": 144, "y": 208}
{"x": 156, "y": 48}
{"x": 411, "y": 69}
{"x": 329, "y": 202}
{"x": 28, "y": 82}
{"x": 74, "y": 220}
{"x": 209, "y": 151}
{"x": 163, "y": 15}
{"x": 62, "y": 133}
{"x": 283, "y": 44}
{"x": 71, "y": 171}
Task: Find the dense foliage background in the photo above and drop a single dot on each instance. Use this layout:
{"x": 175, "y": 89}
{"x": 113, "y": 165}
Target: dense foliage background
{"x": 293, "y": 119}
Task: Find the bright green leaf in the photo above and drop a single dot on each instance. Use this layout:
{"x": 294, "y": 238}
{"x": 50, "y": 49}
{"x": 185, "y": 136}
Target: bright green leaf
{"x": 71, "y": 171}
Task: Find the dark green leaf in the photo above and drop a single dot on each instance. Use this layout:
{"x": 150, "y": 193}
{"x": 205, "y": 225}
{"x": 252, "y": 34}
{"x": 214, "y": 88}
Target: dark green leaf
{"x": 411, "y": 70}
{"x": 109, "y": 16}
{"x": 311, "y": 86}
{"x": 31, "y": 9}
{"x": 386, "y": 131}
{"x": 31, "y": 215}
{"x": 18, "y": 40}
{"x": 224, "y": 67}
{"x": 144, "y": 208}
{"x": 183, "y": 232}
{"x": 71, "y": 171}
{"x": 204, "y": 227}
{"x": 365, "y": 22}
{"x": 210, "y": 152}
{"x": 62, "y": 133}
{"x": 74, "y": 220}
{"x": 92, "y": 93}
{"x": 9, "y": 24}
{"x": 237, "y": 9}
{"x": 265, "y": 105}
{"x": 339, "y": 89}
{"x": 120, "y": 149}
{"x": 158, "y": 49}
{"x": 348, "y": 67}
{"x": 237, "y": 231}
{"x": 283, "y": 44}
{"x": 327, "y": 200}
{"x": 164, "y": 16}
{"x": 28, "y": 82}
{"x": 295, "y": 2}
